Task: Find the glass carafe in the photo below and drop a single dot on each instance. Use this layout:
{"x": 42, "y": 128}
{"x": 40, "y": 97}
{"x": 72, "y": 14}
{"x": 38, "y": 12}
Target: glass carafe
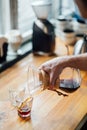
{"x": 34, "y": 80}
{"x": 70, "y": 78}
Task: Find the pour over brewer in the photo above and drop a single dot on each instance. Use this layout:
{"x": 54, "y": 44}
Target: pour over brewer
{"x": 43, "y": 40}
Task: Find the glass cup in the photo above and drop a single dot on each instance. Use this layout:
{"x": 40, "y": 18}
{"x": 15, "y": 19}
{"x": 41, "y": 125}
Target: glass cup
{"x": 14, "y": 42}
{"x": 34, "y": 80}
{"x": 20, "y": 97}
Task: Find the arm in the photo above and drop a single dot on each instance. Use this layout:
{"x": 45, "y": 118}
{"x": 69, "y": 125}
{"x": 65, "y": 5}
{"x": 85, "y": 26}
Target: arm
{"x": 77, "y": 61}
{"x": 55, "y": 66}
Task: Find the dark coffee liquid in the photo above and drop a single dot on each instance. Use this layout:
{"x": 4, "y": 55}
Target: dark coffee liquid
{"x": 69, "y": 83}
{"x": 79, "y": 35}
{"x": 81, "y": 21}
{"x": 24, "y": 112}
{"x": 68, "y": 30}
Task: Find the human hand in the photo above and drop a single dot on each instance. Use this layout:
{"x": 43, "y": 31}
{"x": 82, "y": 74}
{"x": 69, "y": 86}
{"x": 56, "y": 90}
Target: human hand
{"x": 53, "y": 68}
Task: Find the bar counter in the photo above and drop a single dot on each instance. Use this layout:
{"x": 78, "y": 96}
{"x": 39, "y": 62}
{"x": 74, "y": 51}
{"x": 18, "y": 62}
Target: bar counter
{"x": 49, "y": 111}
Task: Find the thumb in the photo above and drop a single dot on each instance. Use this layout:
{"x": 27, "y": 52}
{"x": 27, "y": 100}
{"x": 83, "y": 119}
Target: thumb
{"x": 52, "y": 80}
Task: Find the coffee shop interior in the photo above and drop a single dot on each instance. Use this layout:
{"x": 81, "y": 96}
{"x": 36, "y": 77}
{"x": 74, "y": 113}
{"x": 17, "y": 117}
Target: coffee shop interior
{"x": 32, "y": 32}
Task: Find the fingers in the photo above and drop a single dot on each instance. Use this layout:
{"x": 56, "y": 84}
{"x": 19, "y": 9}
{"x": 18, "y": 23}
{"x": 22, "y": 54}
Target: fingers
{"x": 53, "y": 79}
{"x": 46, "y": 69}
{"x": 52, "y": 74}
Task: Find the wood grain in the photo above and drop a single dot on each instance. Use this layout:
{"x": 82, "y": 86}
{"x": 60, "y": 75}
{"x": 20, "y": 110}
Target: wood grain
{"x": 49, "y": 111}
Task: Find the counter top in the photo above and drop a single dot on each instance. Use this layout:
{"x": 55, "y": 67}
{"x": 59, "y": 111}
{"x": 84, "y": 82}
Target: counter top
{"x": 50, "y": 111}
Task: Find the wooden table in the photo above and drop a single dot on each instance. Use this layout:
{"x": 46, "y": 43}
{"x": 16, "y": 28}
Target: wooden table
{"x": 50, "y": 111}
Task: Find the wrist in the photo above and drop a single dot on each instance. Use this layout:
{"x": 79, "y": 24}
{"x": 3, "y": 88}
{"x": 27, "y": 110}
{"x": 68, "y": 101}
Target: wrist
{"x": 68, "y": 61}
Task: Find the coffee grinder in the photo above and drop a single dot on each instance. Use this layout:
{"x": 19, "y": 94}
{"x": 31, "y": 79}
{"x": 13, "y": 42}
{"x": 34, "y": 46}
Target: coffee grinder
{"x": 43, "y": 39}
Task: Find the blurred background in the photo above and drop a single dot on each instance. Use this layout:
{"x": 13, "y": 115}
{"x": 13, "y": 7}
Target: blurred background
{"x": 19, "y": 15}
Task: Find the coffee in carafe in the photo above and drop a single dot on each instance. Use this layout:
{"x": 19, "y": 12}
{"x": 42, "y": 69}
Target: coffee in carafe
{"x": 70, "y": 78}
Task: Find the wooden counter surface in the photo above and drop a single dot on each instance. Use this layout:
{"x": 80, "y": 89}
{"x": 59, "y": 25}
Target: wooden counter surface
{"x": 50, "y": 111}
